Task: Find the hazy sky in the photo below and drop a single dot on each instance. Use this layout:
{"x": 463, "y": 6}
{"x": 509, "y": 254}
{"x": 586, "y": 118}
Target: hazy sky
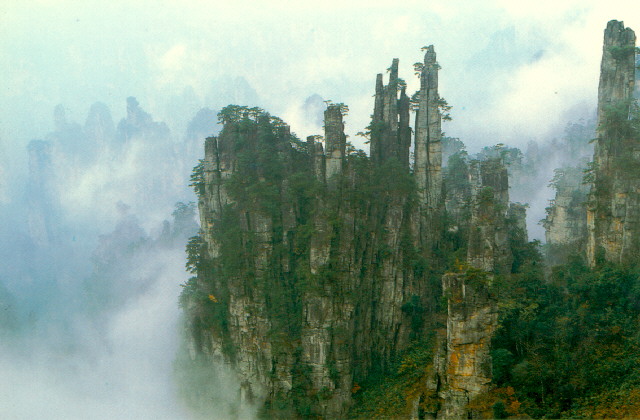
{"x": 511, "y": 70}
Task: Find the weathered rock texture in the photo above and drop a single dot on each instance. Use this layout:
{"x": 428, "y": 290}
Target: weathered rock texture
{"x": 488, "y": 237}
{"x": 463, "y": 367}
{"x": 428, "y": 146}
{"x": 310, "y": 270}
{"x": 335, "y": 142}
{"x": 457, "y": 193}
{"x": 317, "y": 265}
{"x": 472, "y": 320}
{"x": 566, "y": 221}
{"x": 390, "y": 130}
{"x": 613, "y": 212}
{"x": 428, "y": 150}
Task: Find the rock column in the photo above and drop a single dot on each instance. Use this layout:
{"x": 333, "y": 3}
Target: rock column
{"x": 428, "y": 151}
{"x": 428, "y": 146}
{"x": 335, "y": 142}
{"x": 613, "y": 213}
{"x": 390, "y": 130}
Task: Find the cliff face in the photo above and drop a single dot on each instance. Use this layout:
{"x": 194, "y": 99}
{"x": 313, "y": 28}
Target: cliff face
{"x": 488, "y": 238}
{"x": 312, "y": 269}
{"x": 463, "y": 363}
{"x": 612, "y": 216}
{"x": 428, "y": 150}
{"x": 317, "y": 266}
{"x": 390, "y": 130}
{"x": 472, "y": 319}
{"x": 566, "y": 222}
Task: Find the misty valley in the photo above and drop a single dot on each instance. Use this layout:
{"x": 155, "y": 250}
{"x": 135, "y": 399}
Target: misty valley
{"x": 222, "y": 267}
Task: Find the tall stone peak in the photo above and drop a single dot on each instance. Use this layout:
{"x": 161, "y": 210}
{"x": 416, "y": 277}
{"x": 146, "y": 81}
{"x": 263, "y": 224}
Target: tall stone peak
{"x": 317, "y": 265}
{"x": 139, "y": 123}
{"x": 617, "y": 68}
{"x": 488, "y": 248}
{"x": 99, "y": 125}
{"x": 335, "y": 140}
{"x": 430, "y": 57}
{"x": 613, "y": 232}
{"x": 566, "y": 221}
{"x": 390, "y": 131}
{"x": 427, "y": 166}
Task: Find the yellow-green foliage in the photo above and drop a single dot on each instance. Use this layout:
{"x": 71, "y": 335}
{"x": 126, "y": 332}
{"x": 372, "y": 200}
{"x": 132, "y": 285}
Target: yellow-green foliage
{"x": 569, "y": 346}
{"x": 393, "y": 396}
{"x": 496, "y": 404}
{"x": 612, "y": 404}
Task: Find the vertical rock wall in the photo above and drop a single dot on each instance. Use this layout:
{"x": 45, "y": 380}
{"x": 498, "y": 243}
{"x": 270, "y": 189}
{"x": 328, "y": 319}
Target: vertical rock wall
{"x": 316, "y": 264}
{"x": 471, "y": 322}
{"x": 428, "y": 151}
{"x": 308, "y": 263}
{"x": 463, "y": 366}
{"x": 428, "y": 146}
{"x": 390, "y": 129}
{"x": 488, "y": 248}
{"x": 566, "y": 221}
{"x": 335, "y": 141}
{"x": 613, "y": 214}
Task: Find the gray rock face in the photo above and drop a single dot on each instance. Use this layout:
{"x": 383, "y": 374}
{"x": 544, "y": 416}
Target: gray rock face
{"x": 488, "y": 236}
{"x": 316, "y": 263}
{"x": 316, "y": 151}
{"x": 427, "y": 167}
{"x": 566, "y": 221}
{"x": 390, "y": 130}
{"x": 309, "y": 263}
{"x": 335, "y": 142}
{"x": 472, "y": 320}
{"x": 428, "y": 142}
{"x": 462, "y": 364}
{"x": 613, "y": 215}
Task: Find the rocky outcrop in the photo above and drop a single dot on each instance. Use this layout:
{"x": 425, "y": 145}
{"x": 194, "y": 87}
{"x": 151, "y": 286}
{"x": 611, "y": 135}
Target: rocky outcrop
{"x": 471, "y": 322}
{"x": 517, "y": 216}
{"x": 335, "y": 142}
{"x": 566, "y": 222}
{"x": 317, "y": 265}
{"x": 613, "y": 218}
{"x": 139, "y": 123}
{"x": 390, "y": 130}
{"x": 428, "y": 145}
{"x": 457, "y": 193}
{"x": 488, "y": 248}
{"x": 99, "y": 126}
{"x": 463, "y": 365}
{"x": 428, "y": 151}
{"x": 310, "y": 272}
